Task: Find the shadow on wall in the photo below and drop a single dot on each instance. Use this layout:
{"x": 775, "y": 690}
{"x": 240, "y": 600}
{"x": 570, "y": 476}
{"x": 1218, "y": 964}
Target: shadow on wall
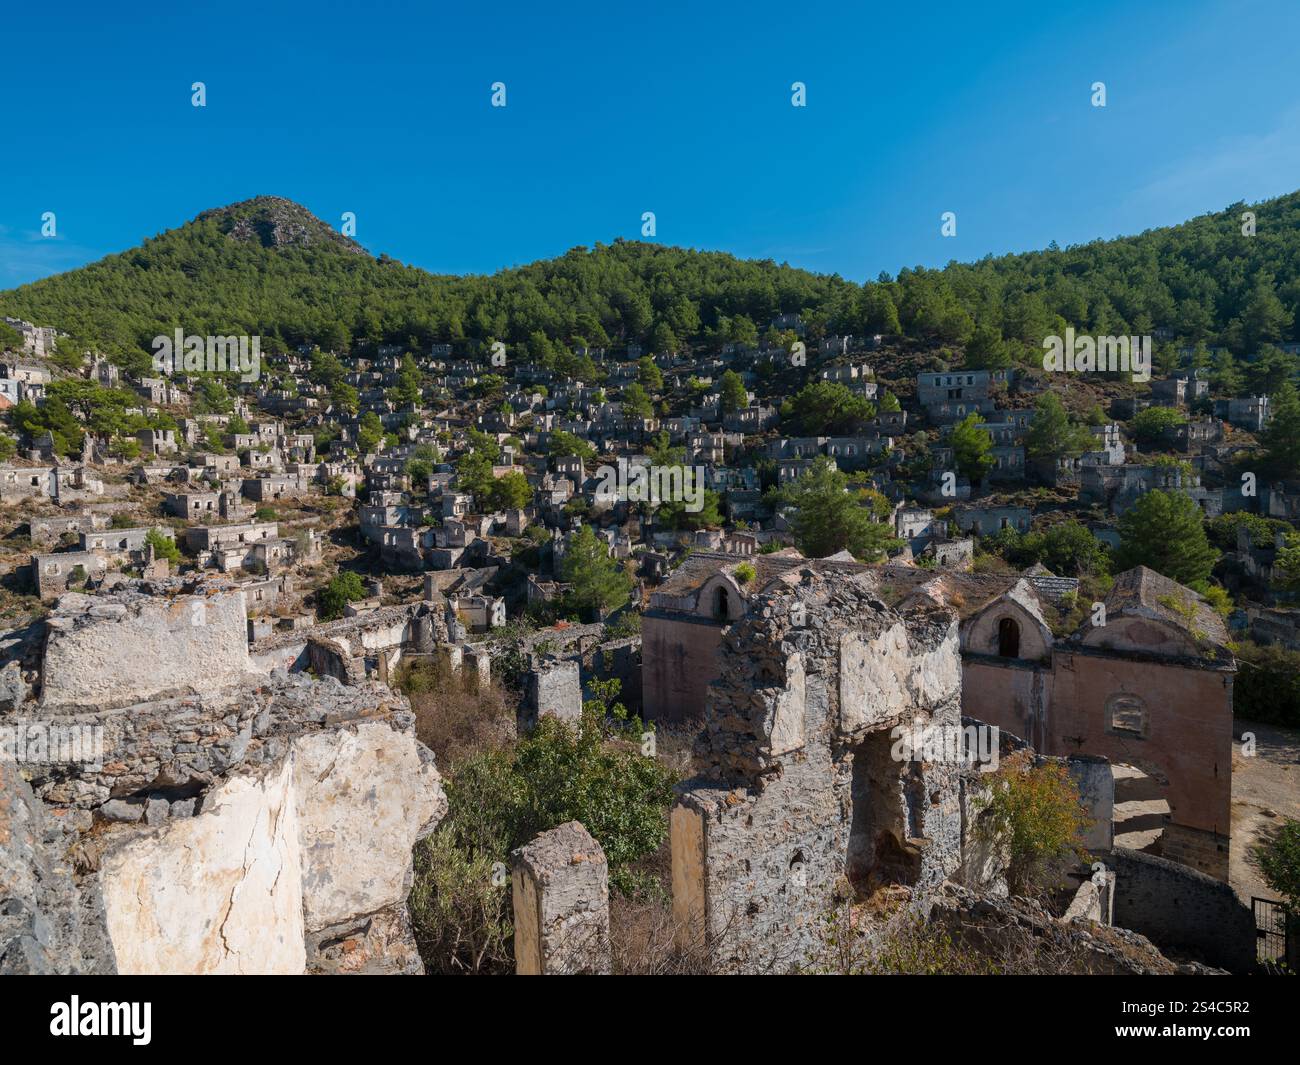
{"x": 1182, "y": 911}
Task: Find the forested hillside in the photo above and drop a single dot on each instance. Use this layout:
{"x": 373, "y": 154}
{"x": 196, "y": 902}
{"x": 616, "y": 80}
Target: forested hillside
{"x": 268, "y": 266}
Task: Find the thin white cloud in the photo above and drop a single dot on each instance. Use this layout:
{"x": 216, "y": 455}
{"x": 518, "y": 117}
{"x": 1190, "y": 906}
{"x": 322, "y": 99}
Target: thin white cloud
{"x": 25, "y": 258}
{"x": 1249, "y": 167}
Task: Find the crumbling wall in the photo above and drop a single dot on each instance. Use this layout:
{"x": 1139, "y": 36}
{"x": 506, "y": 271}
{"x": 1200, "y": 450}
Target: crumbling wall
{"x": 363, "y": 797}
{"x": 126, "y": 647}
{"x": 261, "y": 826}
{"x": 48, "y": 924}
{"x": 370, "y": 644}
{"x": 560, "y": 885}
{"x": 805, "y": 794}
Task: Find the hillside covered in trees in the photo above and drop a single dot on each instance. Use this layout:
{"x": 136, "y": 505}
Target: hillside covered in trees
{"x": 269, "y": 267}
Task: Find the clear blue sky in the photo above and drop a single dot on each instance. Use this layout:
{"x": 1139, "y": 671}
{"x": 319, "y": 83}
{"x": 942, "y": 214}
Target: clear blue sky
{"x": 678, "y": 108}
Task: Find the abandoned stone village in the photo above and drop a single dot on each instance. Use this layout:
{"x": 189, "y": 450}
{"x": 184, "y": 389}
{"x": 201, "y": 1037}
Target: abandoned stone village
{"x": 252, "y": 807}
{"x": 362, "y": 666}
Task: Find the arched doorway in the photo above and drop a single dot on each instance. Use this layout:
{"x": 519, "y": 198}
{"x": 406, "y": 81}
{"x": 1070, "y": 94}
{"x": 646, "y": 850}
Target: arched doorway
{"x": 1008, "y": 638}
{"x": 721, "y": 604}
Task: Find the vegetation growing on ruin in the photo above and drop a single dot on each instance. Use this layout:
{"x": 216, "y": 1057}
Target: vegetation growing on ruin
{"x": 1034, "y": 812}
{"x": 598, "y": 771}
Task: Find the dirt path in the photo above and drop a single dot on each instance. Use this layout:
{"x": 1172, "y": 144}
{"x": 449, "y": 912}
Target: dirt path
{"x": 1265, "y": 789}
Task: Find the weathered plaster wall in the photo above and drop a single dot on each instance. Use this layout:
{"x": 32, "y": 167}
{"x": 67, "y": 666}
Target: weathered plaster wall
{"x": 120, "y": 649}
{"x": 803, "y": 794}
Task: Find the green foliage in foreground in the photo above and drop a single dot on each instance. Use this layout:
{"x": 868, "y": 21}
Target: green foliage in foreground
{"x": 593, "y": 772}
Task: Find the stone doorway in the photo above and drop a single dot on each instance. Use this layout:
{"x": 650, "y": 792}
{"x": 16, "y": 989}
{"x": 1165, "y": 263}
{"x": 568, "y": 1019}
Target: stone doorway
{"x": 887, "y": 797}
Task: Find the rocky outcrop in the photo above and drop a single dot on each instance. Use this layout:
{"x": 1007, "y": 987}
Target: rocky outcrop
{"x": 1019, "y": 935}
{"x": 275, "y": 222}
{"x": 263, "y": 825}
{"x": 48, "y": 923}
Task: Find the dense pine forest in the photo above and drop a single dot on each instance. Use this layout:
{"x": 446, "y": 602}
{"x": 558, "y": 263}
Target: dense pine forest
{"x": 269, "y": 267}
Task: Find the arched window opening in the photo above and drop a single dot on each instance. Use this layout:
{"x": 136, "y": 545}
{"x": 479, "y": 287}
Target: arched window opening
{"x": 1008, "y": 638}
{"x": 721, "y": 605}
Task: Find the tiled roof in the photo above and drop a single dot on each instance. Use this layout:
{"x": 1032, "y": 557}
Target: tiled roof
{"x": 699, "y": 566}
{"x": 1144, "y": 591}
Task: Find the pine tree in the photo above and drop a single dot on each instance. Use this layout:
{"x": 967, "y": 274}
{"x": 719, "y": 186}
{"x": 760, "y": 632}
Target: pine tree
{"x": 600, "y": 584}
{"x": 829, "y": 517}
{"x": 1052, "y": 434}
{"x": 1164, "y": 531}
{"x": 971, "y": 447}
{"x": 1281, "y": 437}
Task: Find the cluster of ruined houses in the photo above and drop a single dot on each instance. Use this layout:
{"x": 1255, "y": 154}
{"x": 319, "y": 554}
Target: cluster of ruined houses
{"x": 442, "y": 531}
{"x": 252, "y": 808}
{"x": 1145, "y": 681}
{"x": 797, "y": 670}
{"x": 85, "y": 543}
{"x": 1107, "y": 475}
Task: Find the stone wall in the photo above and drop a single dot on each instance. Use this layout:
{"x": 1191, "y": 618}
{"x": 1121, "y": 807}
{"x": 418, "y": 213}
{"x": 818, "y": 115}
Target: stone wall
{"x": 1187, "y": 743}
{"x": 1187, "y": 740}
{"x": 804, "y": 796}
{"x": 264, "y": 825}
{"x": 125, "y": 647}
{"x": 370, "y": 644}
{"x": 1183, "y": 911}
{"x": 324, "y": 786}
{"x": 48, "y": 924}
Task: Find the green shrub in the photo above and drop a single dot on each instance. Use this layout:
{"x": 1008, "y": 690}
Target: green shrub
{"x": 1267, "y": 685}
{"x": 344, "y": 588}
{"x": 500, "y": 799}
{"x": 1034, "y": 811}
{"x": 459, "y": 908}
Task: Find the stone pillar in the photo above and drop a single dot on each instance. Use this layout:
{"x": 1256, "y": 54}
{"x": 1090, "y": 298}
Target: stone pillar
{"x": 450, "y": 658}
{"x": 561, "y": 904}
{"x": 554, "y": 688}
{"x": 477, "y": 674}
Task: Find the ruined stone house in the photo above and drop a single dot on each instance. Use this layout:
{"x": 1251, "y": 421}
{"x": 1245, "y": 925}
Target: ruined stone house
{"x": 801, "y": 797}
{"x": 1151, "y": 688}
{"x": 207, "y": 818}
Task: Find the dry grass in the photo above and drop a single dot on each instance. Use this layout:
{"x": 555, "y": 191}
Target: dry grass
{"x": 454, "y": 723}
